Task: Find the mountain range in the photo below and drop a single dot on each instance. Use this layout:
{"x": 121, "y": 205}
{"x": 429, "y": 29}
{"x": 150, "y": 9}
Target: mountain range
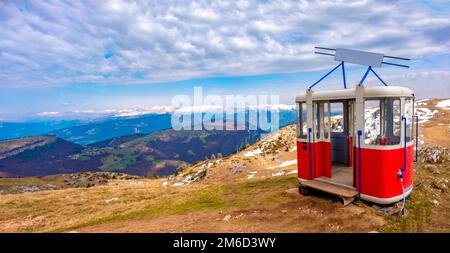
{"x": 89, "y": 131}
{"x": 139, "y": 145}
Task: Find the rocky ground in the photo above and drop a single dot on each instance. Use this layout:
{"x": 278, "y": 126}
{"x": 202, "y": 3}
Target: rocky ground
{"x": 63, "y": 181}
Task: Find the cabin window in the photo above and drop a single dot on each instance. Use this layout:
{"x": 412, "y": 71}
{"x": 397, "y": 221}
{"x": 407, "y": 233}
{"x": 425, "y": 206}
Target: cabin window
{"x": 317, "y": 119}
{"x": 396, "y": 114}
{"x": 337, "y": 117}
{"x": 326, "y": 120}
{"x": 382, "y": 121}
{"x": 409, "y": 118}
{"x": 302, "y": 131}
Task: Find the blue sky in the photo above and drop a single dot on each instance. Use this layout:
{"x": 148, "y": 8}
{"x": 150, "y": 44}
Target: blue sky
{"x": 58, "y": 57}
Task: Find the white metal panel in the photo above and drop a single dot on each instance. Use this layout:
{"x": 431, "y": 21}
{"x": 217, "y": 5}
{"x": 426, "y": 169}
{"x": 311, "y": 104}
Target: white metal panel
{"x": 359, "y": 57}
{"x": 369, "y": 92}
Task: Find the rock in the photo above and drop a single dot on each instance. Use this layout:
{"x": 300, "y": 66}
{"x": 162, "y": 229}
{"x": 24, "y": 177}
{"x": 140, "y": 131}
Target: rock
{"x": 440, "y": 185}
{"x": 236, "y": 167}
{"x": 284, "y": 211}
{"x": 434, "y": 154}
{"x": 435, "y": 202}
{"x": 227, "y": 217}
{"x": 89, "y": 179}
{"x": 432, "y": 168}
{"x": 239, "y": 216}
{"x": 111, "y": 200}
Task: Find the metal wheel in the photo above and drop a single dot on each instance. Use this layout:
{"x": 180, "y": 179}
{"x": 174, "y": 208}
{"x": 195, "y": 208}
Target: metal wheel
{"x": 345, "y": 201}
{"x": 303, "y": 190}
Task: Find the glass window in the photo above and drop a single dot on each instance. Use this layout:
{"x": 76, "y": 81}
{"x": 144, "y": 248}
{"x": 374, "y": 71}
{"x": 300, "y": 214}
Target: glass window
{"x": 382, "y": 121}
{"x": 317, "y": 120}
{"x": 302, "y": 121}
{"x": 397, "y": 118}
{"x": 372, "y": 118}
{"x": 326, "y": 120}
{"x": 409, "y": 118}
{"x": 337, "y": 117}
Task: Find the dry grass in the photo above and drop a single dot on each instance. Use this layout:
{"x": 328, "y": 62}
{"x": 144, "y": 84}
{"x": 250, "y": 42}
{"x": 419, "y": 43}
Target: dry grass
{"x": 428, "y": 208}
{"x": 67, "y": 209}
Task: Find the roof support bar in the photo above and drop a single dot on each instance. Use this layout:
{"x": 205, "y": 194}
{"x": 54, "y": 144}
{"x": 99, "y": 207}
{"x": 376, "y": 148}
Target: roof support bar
{"x": 331, "y": 71}
{"x": 379, "y": 78}
{"x": 365, "y": 75}
{"x": 370, "y": 69}
{"x": 343, "y": 75}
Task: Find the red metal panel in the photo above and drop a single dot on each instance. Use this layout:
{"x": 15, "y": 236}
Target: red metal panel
{"x": 379, "y": 170}
{"x": 321, "y": 160}
{"x": 303, "y": 160}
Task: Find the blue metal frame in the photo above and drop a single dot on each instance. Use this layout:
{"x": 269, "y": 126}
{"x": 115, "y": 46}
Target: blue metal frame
{"x": 404, "y": 146}
{"x": 379, "y": 78}
{"x": 365, "y": 75}
{"x": 343, "y": 75}
{"x": 370, "y": 69}
{"x": 331, "y": 71}
{"x": 342, "y": 64}
{"x": 417, "y": 138}
{"x": 359, "y": 163}
{"x": 309, "y": 152}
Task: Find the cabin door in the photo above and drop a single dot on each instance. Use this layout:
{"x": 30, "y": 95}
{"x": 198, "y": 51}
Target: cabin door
{"x": 341, "y": 129}
{"x": 321, "y": 139}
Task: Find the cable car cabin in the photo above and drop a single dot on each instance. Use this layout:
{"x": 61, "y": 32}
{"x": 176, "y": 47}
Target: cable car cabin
{"x": 358, "y": 141}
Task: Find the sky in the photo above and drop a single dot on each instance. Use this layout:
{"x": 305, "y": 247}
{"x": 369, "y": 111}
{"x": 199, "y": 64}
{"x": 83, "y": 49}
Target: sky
{"x": 61, "y": 57}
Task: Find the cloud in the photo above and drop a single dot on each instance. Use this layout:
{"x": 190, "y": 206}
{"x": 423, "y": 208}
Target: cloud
{"x": 48, "y": 114}
{"x": 64, "y": 42}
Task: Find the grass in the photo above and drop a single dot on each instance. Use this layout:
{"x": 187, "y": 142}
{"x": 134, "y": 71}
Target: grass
{"x": 7, "y": 183}
{"x": 421, "y": 214}
{"x": 70, "y": 209}
{"x": 115, "y": 163}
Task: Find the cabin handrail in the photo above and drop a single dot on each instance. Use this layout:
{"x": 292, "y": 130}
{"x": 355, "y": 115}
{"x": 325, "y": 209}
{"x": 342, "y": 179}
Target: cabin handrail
{"x": 309, "y": 153}
{"x": 404, "y": 143}
{"x": 417, "y": 138}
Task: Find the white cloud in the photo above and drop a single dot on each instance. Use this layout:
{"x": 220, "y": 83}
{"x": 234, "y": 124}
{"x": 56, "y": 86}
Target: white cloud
{"x": 62, "y": 42}
{"x": 156, "y": 110}
{"x": 48, "y": 114}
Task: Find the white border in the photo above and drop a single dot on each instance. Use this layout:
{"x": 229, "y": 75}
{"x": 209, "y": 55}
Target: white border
{"x": 385, "y": 201}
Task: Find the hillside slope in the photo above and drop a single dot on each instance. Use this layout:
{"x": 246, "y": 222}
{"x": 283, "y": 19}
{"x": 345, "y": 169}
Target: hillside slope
{"x": 434, "y": 115}
{"x": 228, "y": 198}
{"x": 160, "y": 153}
{"x": 39, "y": 156}
{"x": 253, "y": 190}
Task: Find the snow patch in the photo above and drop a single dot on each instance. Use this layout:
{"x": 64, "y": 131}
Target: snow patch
{"x": 253, "y": 152}
{"x": 285, "y": 164}
{"x": 444, "y": 104}
{"x": 279, "y": 173}
{"x": 252, "y": 174}
{"x": 425, "y": 114}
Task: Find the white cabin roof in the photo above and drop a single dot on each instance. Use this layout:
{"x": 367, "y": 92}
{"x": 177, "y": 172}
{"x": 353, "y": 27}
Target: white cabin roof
{"x": 369, "y": 92}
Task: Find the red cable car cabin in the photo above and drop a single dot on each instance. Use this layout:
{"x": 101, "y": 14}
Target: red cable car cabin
{"x": 358, "y": 140}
